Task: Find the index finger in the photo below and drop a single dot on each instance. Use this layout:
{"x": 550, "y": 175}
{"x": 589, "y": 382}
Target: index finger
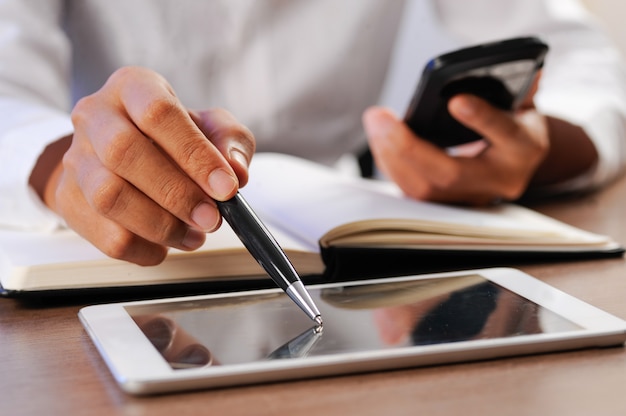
{"x": 152, "y": 105}
{"x": 233, "y": 140}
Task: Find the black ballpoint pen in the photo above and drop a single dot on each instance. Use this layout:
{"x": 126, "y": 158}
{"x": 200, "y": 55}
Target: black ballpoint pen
{"x": 265, "y": 249}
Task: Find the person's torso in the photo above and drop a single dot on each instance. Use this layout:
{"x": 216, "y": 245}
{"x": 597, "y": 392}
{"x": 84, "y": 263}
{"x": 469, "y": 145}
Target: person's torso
{"x": 297, "y": 73}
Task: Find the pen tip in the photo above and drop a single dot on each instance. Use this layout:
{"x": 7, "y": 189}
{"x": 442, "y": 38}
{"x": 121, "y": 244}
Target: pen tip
{"x": 318, "y": 320}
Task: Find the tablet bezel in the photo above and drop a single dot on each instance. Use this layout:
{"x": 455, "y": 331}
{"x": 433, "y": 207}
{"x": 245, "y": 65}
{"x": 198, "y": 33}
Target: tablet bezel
{"x": 140, "y": 369}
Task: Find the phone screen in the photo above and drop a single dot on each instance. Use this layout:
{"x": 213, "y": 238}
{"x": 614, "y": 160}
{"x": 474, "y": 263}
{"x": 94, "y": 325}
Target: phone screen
{"x": 357, "y": 318}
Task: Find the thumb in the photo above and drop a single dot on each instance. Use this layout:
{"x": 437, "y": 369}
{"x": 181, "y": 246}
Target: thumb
{"x": 496, "y": 125}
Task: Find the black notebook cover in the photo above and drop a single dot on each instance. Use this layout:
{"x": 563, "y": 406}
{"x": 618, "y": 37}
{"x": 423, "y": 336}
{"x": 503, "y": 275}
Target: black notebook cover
{"x": 345, "y": 263}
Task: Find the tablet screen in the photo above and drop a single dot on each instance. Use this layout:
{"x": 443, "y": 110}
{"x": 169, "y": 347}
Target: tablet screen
{"x": 357, "y": 318}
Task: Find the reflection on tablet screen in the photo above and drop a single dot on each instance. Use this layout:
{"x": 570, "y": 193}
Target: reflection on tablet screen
{"x": 364, "y": 317}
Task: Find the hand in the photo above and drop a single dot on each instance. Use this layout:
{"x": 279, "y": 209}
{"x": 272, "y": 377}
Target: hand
{"x": 142, "y": 172}
{"x": 503, "y": 169}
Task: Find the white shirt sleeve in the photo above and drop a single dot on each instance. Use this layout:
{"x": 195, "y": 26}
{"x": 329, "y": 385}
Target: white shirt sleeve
{"x": 34, "y": 103}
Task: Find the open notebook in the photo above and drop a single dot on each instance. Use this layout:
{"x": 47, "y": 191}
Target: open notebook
{"x": 328, "y": 223}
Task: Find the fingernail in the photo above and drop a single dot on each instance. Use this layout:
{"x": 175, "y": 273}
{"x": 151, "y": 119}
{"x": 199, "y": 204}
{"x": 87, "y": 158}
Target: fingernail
{"x": 222, "y": 184}
{"x": 463, "y": 106}
{"x": 237, "y": 156}
{"x": 193, "y": 239}
{"x": 378, "y": 123}
{"x": 206, "y": 216}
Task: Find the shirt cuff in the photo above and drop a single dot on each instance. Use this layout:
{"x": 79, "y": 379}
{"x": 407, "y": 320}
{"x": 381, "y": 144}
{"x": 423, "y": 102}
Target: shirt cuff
{"x": 20, "y": 149}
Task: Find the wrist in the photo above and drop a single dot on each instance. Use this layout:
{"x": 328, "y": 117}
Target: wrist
{"x": 47, "y": 171}
{"x": 571, "y": 153}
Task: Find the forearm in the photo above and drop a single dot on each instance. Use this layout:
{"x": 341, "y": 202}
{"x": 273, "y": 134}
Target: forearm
{"x": 47, "y": 170}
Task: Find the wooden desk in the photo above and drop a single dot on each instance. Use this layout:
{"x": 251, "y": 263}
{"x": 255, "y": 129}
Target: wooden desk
{"x": 48, "y": 365}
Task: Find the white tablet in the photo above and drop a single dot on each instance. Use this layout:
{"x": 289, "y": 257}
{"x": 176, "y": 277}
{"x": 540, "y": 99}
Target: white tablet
{"x": 261, "y": 336}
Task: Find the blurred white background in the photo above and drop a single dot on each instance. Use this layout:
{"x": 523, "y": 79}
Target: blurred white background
{"x": 612, "y": 13}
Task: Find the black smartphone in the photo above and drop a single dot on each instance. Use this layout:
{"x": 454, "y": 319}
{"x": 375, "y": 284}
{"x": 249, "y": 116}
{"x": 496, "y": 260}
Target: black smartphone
{"x": 500, "y": 72}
